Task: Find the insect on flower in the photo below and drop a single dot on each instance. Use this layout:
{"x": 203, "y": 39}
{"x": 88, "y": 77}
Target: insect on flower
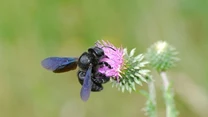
{"x": 101, "y": 63}
{"x": 88, "y": 62}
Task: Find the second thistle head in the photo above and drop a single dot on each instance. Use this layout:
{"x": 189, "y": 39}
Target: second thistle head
{"x": 161, "y": 56}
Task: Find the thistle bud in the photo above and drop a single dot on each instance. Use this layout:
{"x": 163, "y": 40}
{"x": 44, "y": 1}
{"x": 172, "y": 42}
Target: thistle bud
{"x": 161, "y": 56}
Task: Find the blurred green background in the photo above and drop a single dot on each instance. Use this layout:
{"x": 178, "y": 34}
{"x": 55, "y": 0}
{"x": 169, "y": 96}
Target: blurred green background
{"x": 31, "y": 30}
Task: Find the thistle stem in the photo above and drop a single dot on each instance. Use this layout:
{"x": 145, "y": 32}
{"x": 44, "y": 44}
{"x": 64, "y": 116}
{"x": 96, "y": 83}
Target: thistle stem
{"x": 152, "y": 92}
{"x": 165, "y": 80}
{"x": 152, "y": 98}
{"x": 168, "y": 95}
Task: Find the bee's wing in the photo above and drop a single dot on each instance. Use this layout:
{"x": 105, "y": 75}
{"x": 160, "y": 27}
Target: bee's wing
{"x": 87, "y": 85}
{"x": 59, "y": 64}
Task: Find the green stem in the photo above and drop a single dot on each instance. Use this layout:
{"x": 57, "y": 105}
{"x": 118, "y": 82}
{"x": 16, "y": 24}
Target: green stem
{"x": 169, "y": 98}
{"x": 152, "y": 98}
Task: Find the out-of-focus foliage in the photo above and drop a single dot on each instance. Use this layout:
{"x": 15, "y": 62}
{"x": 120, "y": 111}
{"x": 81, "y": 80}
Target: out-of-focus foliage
{"x": 31, "y": 30}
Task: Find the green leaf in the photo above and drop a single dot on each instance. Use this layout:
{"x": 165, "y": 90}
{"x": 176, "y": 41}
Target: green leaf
{"x": 137, "y": 81}
{"x": 122, "y": 88}
{"x": 132, "y": 52}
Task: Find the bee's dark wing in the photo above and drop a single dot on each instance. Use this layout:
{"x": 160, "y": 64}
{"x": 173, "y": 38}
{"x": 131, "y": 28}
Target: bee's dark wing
{"x": 87, "y": 85}
{"x": 59, "y": 64}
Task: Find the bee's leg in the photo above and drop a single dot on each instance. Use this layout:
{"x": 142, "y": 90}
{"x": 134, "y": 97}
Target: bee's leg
{"x": 103, "y": 64}
{"x": 81, "y": 76}
{"x": 100, "y": 78}
{"x": 96, "y": 87}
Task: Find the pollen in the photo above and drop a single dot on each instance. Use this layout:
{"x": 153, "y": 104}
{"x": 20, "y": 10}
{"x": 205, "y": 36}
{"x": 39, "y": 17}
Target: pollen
{"x": 160, "y": 46}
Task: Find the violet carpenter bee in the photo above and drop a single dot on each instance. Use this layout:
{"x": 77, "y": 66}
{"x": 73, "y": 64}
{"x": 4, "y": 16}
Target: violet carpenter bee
{"x": 88, "y": 63}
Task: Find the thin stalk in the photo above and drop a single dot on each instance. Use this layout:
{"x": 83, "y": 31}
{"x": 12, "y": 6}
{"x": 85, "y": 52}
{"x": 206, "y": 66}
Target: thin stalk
{"x": 152, "y": 99}
{"x": 169, "y": 97}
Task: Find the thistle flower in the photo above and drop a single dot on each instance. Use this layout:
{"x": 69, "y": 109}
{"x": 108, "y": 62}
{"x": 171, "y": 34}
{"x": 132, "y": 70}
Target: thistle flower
{"x": 126, "y": 69}
{"x": 161, "y": 56}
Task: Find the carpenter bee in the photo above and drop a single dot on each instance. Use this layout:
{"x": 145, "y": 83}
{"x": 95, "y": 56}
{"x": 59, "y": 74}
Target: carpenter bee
{"x": 88, "y": 63}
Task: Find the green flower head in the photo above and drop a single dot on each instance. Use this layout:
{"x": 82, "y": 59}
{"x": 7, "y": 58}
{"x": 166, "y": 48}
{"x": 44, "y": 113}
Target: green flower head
{"x": 161, "y": 56}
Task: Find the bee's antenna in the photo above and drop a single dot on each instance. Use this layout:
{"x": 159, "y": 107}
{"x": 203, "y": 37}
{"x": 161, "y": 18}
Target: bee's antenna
{"x": 98, "y": 43}
{"x": 108, "y": 47}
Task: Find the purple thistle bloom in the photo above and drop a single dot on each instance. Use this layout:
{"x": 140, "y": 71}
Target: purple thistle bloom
{"x": 114, "y": 57}
{"x": 126, "y": 70}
